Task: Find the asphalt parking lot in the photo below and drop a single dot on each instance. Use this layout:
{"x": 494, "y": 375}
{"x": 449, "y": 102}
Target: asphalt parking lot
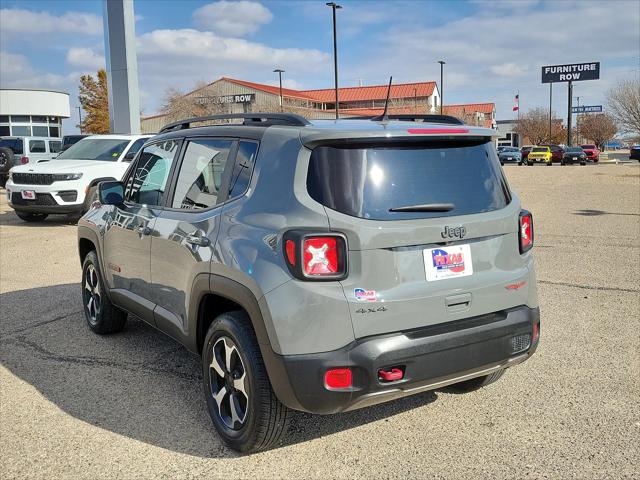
{"x": 75, "y": 405}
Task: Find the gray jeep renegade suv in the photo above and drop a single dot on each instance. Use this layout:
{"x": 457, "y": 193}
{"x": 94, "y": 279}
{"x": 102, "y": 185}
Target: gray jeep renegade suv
{"x": 317, "y": 266}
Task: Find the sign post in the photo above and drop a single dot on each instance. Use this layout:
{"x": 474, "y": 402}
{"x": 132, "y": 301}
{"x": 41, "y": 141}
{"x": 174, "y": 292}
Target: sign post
{"x": 569, "y": 73}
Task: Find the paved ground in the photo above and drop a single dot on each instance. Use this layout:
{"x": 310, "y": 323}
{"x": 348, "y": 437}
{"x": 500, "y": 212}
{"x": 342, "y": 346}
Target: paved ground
{"x": 75, "y": 405}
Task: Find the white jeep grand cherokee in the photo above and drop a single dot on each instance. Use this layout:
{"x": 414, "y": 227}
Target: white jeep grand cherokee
{"x": 67, "y": 184}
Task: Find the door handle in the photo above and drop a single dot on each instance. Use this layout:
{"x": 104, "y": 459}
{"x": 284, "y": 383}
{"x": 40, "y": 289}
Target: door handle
{"x": 143, "y": 230}
{"x": 199, "y": 241}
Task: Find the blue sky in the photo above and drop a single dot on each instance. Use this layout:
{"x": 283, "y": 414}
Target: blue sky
{"x": 492, "y": 49}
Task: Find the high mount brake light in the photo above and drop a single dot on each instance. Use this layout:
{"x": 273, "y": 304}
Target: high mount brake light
{"x": 437, "y": 131}
{"x": 312, "y": 256}
{"x": 525, "y": 231}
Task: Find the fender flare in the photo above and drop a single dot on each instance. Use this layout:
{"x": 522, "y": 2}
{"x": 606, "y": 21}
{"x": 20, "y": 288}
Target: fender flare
{"x": 243, "y": 296}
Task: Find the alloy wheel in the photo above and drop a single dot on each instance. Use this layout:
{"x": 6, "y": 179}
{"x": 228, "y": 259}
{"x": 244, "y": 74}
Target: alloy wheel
{"x": 93, "y": 298}
{"x": 228, "y": 382}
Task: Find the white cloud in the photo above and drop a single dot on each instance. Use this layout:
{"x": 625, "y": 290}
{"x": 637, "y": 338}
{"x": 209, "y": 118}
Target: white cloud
{"x": 82, "y": 57}
{"x": 235, "y": 19}
{"x": 509, "y": 69}
{"x": 18, "y": 21}
{"x": 492, "y": 54}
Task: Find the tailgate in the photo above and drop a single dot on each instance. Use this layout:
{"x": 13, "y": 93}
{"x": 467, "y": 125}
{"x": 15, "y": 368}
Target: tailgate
{"x": 451, "y": 257}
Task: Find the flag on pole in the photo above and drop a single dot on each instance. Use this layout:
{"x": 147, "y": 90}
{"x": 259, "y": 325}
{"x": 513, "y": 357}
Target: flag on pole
{"x": 516, "y": 106}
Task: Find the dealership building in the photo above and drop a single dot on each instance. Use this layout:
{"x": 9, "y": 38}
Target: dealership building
{"x": 31, "y": 112}
{"x": 230, "y": 95}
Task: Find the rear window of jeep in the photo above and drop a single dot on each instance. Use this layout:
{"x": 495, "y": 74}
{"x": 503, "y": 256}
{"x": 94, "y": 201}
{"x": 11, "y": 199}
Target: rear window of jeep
{"x": 368, "y": 182}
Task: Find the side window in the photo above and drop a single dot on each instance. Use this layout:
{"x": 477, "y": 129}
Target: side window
{"x": 135, "y": 146}
{"x": 147, "y": 184}
{"x": 54, "y": 146}
{"x": 200, "y": 176}
{"x": 245, "y": 160}
{"x": 36, "y": 146}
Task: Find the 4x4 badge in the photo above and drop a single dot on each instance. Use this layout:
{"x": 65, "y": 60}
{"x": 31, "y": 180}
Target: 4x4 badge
{"x": 454, "y": 232}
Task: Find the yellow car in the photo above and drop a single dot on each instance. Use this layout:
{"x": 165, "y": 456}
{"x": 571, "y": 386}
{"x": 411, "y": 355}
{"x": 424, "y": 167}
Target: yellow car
{"x": 540, "y": 154}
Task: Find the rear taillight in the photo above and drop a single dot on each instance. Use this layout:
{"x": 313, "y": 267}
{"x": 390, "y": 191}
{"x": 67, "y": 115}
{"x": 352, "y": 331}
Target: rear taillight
{"x": 313, "y": 256}
{"x": 525, "y": 228}
{"x": 24, "y": 160}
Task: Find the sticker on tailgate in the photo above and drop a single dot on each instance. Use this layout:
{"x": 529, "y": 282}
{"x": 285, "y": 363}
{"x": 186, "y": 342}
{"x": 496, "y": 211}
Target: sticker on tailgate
{"x": 441, "y": 263}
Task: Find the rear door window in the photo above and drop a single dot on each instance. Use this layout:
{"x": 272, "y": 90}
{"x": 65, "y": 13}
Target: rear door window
{"x": 37, "y": 146}
{"x": 245, "y": 160}
{"x": 368, "y": 182}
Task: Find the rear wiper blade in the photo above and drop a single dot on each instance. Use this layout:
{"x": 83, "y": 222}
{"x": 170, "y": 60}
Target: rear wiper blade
{"x": 428, "y": 207}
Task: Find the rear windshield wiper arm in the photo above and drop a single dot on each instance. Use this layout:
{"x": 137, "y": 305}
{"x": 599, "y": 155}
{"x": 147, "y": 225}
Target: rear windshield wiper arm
{"x": 428, "y": 207}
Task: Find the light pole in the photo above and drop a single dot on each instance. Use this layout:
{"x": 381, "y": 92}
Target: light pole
{"x": 441, "y": 62}
{"x": 80, "y": 117}
{"x": 279, "y": 71}
{"x": 334, "y": 6}
{"x": 578, "y": 121}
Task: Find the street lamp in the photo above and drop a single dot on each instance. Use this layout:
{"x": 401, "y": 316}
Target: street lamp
{"x": 441, "y": 62}
{"x": 578, "y": 121}
{"x": 334, "y": 6}
{"x": 279, "y": 71}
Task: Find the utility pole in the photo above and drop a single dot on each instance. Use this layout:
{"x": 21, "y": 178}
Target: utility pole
{"x": 334, "y": 6}
{"x": 570, "y": 100}
{"x": 441, "y": 62}
{"x": 279, "y": 71}
{"x": 578, "y": 122}
{"x": 80, "y": 116}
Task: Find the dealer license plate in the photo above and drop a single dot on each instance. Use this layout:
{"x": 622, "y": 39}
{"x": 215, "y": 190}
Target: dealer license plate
{"x": 28, "y": 195}
{"x": 453, "y": 261}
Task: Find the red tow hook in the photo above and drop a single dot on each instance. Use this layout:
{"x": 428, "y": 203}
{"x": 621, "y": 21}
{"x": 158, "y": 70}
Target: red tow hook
{"x": 390, "y": 375}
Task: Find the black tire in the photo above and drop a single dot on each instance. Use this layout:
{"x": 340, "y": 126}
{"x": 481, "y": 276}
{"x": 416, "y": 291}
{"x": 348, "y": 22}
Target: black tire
{"x": 550, "y": 164}
{"x": 583, "y": 163}
{"x": 31, "y": 217}
{"x": 92, "y": 196}
{"x": 104, "y": 317}
{"x": 477, "y": 383}
{"x": 6, "y": 159}
{"x": 530, "y": 164}
{"x": 264, "y": 419}
{"x": 562, "y": 164}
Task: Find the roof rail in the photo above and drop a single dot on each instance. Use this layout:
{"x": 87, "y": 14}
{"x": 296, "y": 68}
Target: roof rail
{"x": 260, "y": 119}
{"x": 409, "y": 117}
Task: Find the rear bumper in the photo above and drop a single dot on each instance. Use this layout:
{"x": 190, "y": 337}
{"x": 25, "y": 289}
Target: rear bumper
{"x": 431, "y": 357}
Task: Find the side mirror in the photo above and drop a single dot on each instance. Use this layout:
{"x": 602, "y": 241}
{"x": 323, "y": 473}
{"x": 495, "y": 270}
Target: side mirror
{"x": 129, "y": 156}
{"x": 111, "y": 193}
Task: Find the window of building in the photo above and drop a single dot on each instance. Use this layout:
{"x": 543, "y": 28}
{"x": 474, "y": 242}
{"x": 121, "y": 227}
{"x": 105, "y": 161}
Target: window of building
{"x": 39, "y": 131}
{"x": 200, "y": 174}
{"x": 38, "y": 119}
{"x": 20, "y": 118}
{"x": 37, "y": 146}
{"x": 21, "y": 130}
{"x": 4, "y": 118}
{"x": 148, "y": 182}
{"x": 5, "y": 131}
{"x": 54, "y": 131}
{"x": 245, "y": 160}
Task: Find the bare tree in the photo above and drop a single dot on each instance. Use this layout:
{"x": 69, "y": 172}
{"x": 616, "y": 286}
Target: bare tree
{"x": 179, "y": 106}
{"x": 534, "y": 125}
{"x": 599, "y": 128}
{"x": 624, "y": 103}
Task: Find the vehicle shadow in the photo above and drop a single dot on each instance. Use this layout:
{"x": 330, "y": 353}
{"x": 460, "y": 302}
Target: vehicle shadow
{"x": 138, "y": 383}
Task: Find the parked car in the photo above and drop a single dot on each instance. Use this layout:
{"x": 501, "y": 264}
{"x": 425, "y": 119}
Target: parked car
{"x": 524, "y": 151}
{"x": 303, "y": 282}
{"x": 634, "y": 152}
{"x": 540, "y": 154}
{"x": 68, "y": 183}
{"x": 557, "y": 152}
{"x": 574, "y": 155}
{"x": 592, "y": 152}
{"x": 69, "y": 140}
{"x": 24, "y": 150}
{"x": 510, "y": 155}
